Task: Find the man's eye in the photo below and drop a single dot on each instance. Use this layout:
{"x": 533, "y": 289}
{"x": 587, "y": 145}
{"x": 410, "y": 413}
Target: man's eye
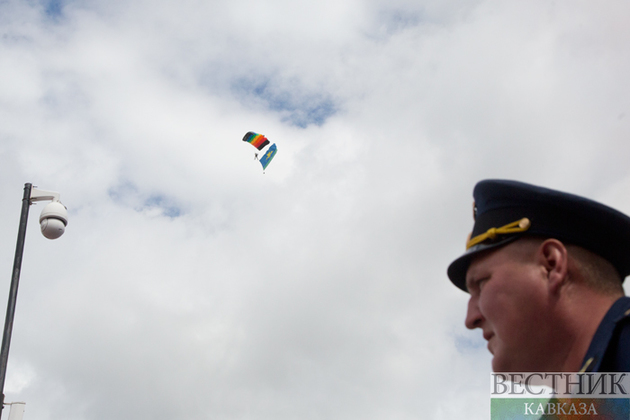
{"x": 481, "y": 282}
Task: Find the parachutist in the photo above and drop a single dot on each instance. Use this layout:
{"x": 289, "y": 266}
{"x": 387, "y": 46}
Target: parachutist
{"x": 259, "y": 142}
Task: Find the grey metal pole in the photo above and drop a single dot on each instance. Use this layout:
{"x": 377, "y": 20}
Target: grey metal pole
{"x": 15, "y": 280}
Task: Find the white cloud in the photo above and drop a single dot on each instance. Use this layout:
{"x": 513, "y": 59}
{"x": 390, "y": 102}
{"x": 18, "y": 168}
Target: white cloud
{"x": 190, "y": 285}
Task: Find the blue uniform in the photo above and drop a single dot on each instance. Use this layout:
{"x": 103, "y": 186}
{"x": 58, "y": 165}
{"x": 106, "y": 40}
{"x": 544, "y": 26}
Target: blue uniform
{"x": 610, "y": 348}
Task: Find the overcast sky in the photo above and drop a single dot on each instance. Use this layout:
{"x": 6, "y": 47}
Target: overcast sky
{"x": 190, "y": 285}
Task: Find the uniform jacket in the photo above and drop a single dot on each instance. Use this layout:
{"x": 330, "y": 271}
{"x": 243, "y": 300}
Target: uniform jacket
{"x": 610, "y": 348}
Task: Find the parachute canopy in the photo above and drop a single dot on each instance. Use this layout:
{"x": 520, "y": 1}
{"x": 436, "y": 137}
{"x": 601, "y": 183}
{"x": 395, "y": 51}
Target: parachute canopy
{"x": 257, "y": 140}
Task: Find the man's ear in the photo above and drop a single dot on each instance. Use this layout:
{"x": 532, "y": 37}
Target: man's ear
{"x": 554, "y": 258}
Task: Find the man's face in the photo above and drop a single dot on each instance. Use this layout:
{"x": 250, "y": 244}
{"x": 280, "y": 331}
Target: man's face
{"x": 509, "y": 301}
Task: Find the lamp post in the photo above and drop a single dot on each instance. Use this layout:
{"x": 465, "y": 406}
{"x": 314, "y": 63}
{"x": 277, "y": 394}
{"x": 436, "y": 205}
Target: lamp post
{"x": 53, "y": 221}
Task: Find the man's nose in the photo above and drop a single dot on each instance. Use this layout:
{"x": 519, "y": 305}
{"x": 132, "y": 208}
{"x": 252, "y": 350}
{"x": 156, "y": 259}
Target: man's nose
{"x": 474, "y": 318}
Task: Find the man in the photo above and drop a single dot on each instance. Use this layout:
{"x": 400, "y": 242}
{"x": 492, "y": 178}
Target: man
{"x": 544, "y": 270}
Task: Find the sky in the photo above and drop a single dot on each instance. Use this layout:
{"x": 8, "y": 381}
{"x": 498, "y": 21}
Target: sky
{"x": 191, "y": 285}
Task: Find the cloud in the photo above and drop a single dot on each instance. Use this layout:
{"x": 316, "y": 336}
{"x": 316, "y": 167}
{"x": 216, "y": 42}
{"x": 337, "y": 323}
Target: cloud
{"x": 190, "y": 285}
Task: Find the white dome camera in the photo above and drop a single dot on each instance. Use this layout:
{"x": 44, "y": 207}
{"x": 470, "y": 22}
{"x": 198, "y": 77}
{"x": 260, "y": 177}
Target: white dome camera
{"x": 53, "y": 220}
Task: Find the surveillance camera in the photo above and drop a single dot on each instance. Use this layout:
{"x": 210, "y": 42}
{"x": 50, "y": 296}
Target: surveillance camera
{"x": 53, "y": 220}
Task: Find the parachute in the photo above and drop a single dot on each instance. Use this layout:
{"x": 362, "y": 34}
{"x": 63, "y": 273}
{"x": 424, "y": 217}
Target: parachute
{"x": 259, "y": 142}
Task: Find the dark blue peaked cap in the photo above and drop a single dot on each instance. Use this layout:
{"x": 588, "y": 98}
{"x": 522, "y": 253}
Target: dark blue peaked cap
{"x": 507, "y": 210}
